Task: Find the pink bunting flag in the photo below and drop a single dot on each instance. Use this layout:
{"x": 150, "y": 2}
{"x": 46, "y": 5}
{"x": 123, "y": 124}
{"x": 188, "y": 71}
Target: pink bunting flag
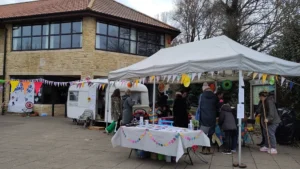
{"x": 37, "y": 86}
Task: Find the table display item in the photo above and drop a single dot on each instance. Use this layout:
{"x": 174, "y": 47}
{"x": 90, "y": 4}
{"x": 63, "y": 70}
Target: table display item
{"x": 153, "y": 156}
{"x": 160, "y": 157}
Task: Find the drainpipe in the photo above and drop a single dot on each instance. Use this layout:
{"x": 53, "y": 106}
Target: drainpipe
{"x": 4, "y": 65}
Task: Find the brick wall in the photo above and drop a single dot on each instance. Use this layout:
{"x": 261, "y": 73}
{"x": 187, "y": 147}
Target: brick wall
{"x": 81, "y": 62}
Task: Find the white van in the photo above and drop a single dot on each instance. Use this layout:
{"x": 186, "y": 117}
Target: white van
{"x": 81, "y": 98}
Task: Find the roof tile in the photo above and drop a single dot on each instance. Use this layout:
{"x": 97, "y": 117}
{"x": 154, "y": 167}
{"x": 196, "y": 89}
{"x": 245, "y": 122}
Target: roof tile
{"x": 108, "y": 7}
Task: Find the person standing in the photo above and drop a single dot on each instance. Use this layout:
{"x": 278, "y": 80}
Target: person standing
{"x": 127, "y": 108}
{"x": 269, "y": 123}
{"x": 220, "y": 95}
{"x": 206, "y": 113}
{"x": 162, "y": 100}
{"x": 258, "y": 113}
{"x": 116, "y": 106}
{"x": 180, "y": 115}
{"x": 185, "y": 96}
{"x": 228, "y": 124}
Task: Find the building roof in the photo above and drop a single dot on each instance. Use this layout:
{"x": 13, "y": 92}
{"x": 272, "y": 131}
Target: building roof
{"x": 106, "y": 7}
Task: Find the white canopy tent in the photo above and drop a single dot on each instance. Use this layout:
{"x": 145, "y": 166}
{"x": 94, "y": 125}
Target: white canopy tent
{"x": 215, "y": 54}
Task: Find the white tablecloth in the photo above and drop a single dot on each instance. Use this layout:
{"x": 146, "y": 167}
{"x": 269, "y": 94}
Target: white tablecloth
{"x": 166, "y": 140}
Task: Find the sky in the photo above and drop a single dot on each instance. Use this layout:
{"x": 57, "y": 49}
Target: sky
{"x": 148, "y": 7}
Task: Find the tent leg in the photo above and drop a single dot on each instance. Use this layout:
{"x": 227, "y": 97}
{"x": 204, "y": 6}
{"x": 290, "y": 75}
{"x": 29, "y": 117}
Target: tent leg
{"x": 107, "y": 103}
{"x": 241, "y": 101}
{"x": 153, "y": 99}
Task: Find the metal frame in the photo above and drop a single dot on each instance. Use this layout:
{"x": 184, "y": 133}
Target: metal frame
{"x": 129, "y": 39}
{"x": 48, "y": 35}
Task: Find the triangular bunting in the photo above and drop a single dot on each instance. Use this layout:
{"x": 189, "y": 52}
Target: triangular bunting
{"x": 249, "y": 73}
{"x": 25, "y": 86}
{"x": 169, "y": 77}
{"x": 14, "y": 84}
{"x": 282, "y": 80}
{"x": 174, "y": 77}
{"x": 264, "y": 78}
{"x": 37, "y": 86}
{"x": 193, "y": 76}
{"x": 199, "y": 76}
{"x": 254, "y": 75}
{"x": 259, "y": 76}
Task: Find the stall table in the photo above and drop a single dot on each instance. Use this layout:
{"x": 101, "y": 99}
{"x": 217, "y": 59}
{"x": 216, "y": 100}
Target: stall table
{"x": 161, "y": 139}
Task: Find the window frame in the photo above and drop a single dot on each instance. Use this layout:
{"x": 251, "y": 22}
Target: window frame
{"x": 49, "y": 35}
{"x": 136, "y": 41}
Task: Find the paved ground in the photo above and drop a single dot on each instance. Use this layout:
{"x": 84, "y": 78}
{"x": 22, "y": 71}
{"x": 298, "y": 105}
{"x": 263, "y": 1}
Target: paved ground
{"x": 55, "y": 143}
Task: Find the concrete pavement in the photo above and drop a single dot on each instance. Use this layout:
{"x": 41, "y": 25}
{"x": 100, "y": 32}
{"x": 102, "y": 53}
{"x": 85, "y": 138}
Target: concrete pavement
{"x": 56, "y": 143}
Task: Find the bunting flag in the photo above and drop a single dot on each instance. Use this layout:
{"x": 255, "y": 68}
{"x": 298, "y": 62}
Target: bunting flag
{"x": 276, "y": 77}
{"x": 193, "y": 76}
{"x": 14, "y": 85}
{"x": 37, "y": 86}
{"x": 249, "y": 73}
{"x": 199, "y": 76}
{"x": 157, "y": 78}
{"x": 291, "y": 85}
{"x": 25, "y": 86}
{"x": 282, "y": 80}
{"x": 152, "y": 78}
{"x": 174, "y": 77}
{"x": 254, "y": 75}
{"x": 103, "y": 86}
{"x": 136, "y": 82}
{"x": 264, "y": 78}
{"x": 259, "y": 76}
{"x": 82, "y": 84}
{"x": 212, "y": 74}
{"x": 169, "y": 77}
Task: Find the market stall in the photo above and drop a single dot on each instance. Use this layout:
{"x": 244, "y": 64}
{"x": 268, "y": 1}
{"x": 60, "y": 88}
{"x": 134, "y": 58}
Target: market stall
{"x": 214, "y": 59}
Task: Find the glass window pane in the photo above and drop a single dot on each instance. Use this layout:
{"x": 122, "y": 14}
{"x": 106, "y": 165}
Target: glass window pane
{"x": 45, "y": 42}
{"x": 36, "y": 42}
{"x": 124, "y": 33}
{"x": 77, "y": 27}
{"x": 153, "y": 38}
{"x": 124, "y": 46}
{"x": 133, "y": 47}
{"x": 55, "y": 28}
{"x": 26, "y": 31}
{"x": 101, "y": 42}
{"x": 26, "y": 43}
{"x": 151, "y": 49}
{"x": 113, "y": 30}
{"x": 65, "y": 41}
{"x": 17, "y": 44}
{"x": 162, "y": 40}
{"x": 76, "y": 41}
{"x": 133, "y": 34}
{"x": 113, "y": 44}
{"x": 142, "y": 49}
{"x": 65, "y": 28}
{"x": 102, "y": 28}
{"x": 17, "y": 31}
{"x": 54, "y": 42}
{"x": 45, "y": 29}
{"x": 36, "y": 30}
{"x": 142, "y": 36}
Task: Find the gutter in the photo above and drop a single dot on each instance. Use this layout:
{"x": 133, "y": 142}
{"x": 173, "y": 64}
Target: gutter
{"x": 4, "y": 66}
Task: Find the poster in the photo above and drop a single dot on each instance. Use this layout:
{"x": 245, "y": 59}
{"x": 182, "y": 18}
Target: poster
{"x": 258, "y": 89}
{"x": 20, "y": 101}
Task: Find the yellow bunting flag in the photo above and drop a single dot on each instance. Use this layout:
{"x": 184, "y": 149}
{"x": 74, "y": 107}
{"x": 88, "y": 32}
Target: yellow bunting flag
{"x": 264, "y": 77}
{"x": 103, "y": 86}
{"x": 25, "y": 86}
{"x": 254, "y": 75}
{"x": 82, "y": 85}
{"x": 152, "y": 78}
{"x": 136, "y": 82}
{"x": 276, "y": 77}
{"x": 14, "y": 85}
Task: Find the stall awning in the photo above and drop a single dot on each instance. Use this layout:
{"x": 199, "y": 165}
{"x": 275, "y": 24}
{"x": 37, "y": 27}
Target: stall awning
{"x": 215, "y": 54}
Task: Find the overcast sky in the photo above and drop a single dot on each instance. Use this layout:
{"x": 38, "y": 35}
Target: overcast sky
{"x": 149, "y": 7}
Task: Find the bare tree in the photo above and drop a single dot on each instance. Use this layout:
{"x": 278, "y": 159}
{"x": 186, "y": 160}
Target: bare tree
{"x": 254, "y": 23}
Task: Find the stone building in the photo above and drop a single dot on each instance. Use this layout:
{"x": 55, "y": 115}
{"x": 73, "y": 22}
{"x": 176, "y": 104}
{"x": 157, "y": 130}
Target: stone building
{"x": 67, "y": 40}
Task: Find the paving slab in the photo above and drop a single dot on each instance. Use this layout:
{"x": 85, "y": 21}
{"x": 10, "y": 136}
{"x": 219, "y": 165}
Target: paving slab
{"x": 55, "y": 143}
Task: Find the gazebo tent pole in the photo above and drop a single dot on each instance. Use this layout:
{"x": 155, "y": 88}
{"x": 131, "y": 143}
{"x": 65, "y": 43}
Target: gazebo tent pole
{"x": 241, "y": 101}
{"x": 107, "y": 102}
{"x": 153, "y": 99}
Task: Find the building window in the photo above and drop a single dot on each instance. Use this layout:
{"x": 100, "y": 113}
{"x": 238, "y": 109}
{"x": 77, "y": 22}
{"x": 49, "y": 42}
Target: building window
{"x": 57, "y": 35}
{"x": 128, "y": 40}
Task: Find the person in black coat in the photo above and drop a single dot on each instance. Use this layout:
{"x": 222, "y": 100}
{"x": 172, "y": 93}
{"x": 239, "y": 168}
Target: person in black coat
{"x": 180, "y": 115}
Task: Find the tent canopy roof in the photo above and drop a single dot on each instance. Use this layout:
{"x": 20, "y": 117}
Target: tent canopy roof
{"x": 215, "y": 54}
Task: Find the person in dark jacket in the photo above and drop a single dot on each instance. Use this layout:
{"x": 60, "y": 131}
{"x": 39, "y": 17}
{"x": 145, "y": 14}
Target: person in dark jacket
{"x": 220, "y": 96}
{"x": 162, "y": 100}
{"x": 180, "y": 115}
{"x": 206, "y": 113}
{"x": 228, "y": 124}
{"x": 272, "y": 119}
{"x": 127, "y": 108}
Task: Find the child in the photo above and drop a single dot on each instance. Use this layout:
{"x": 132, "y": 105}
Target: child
{"x": 228, "y": 124}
